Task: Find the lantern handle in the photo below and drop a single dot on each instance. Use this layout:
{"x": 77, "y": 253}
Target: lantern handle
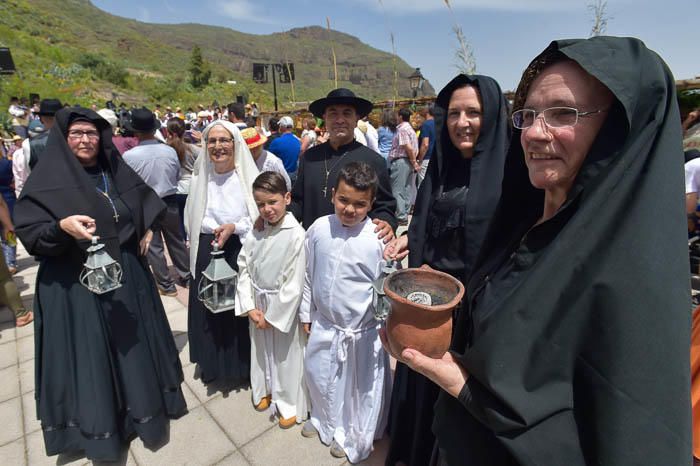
{"x": 95, "y": 246}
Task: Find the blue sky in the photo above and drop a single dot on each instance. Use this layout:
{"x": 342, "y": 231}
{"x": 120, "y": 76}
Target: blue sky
{"x": 504, "y": 34}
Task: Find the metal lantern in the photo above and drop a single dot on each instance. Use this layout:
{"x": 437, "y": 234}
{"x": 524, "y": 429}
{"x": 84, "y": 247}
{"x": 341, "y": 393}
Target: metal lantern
{"x": 416, "y": 81}
{"x": 217, "y": 287}
{"x": 101, "y": 273}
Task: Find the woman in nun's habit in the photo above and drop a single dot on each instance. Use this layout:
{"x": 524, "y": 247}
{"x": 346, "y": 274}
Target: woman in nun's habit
{"x": 452, "y": 212}
{"x": 107, "y": 368}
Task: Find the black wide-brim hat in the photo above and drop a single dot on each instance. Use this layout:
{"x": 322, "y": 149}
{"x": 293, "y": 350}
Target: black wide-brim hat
{"x": 142, "y": 121}
{"x": 49, "y": 107}
{"x": 341, "y": 96}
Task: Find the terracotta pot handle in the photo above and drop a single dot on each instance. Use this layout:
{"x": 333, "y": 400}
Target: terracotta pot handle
{"x": 426, "y": 267}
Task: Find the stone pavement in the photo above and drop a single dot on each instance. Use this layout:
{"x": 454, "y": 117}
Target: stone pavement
{"x": 220, "y": 429}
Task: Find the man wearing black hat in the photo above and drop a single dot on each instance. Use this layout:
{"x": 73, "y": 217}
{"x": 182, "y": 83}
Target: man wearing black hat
{"x": 157, "y": 164}
{"x": 33, "y": 147}
{"x": 320, "y": 165}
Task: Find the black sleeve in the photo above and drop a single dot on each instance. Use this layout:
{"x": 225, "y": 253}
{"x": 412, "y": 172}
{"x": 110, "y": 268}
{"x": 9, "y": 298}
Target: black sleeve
{"x": 297, "y": 205}
{"x": 45, "y": 239}
{"x": 39, "y": 231}
{"x": 385, "y": 205}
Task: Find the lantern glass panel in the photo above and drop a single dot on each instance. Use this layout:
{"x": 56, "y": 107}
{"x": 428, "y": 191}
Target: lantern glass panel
{"x": 101, "y": 273}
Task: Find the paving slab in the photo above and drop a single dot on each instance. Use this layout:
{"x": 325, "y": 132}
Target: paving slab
{"x": 278, "y": 446}
{"x": 178, "y": 320}
{"x": 195, "y": 439}
{"x": 127, "y": 459}
{"x": 236, "y": 459}
{"x": 25, "y": 346}
{"x": 203, "y": 392}
{"x": 190, "y": 398}
{"x": 183, "y": 347}
{"x": 13, "y": 453}
{"x": 171, "y": 304}
{"x": 236, "y": 415}
{"x": 378, "y": 455}
{"x": 26, "y": 376}
{"x": 11, "y": 415}
{"x": 9, "y": 383}
{"x": 8, "y": 354}
{"x": 31, "y": 423}
{"x": 36, "y": 454}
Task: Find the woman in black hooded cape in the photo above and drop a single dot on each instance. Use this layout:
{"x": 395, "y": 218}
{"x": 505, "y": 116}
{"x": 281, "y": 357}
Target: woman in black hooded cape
{"x": 106, "y": 365}
{"x": 452, "y": 210}
{"x": 576, "y": 343}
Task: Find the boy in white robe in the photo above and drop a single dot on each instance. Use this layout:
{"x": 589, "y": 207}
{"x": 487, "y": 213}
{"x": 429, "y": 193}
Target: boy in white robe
{"x": 271, "y": 268}
{"x": 346, "y": 368}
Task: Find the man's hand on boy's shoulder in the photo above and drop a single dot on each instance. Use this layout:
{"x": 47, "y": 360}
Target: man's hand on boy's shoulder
{"x": 383, "y": 230}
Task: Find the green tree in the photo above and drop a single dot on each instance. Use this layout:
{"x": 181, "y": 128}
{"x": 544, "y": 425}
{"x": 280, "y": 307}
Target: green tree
{"x": 199, "y": 69}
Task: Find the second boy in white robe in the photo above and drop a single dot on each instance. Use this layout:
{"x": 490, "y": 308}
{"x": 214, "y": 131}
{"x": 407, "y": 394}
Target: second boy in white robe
{"x": 347, "y": 370}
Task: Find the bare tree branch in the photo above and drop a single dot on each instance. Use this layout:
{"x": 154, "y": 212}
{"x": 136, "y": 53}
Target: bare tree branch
{"x": 466, "y": 63}
{"x": 600, "y": 17}
{"x": 335, "y": 63}
{"x": 464, "y": 55}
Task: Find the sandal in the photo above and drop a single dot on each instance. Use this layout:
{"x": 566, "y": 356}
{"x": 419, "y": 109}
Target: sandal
{"x": 24, "y": 319}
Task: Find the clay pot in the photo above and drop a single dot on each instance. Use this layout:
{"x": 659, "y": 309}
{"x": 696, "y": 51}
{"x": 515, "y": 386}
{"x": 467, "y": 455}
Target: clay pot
{"x": 427, "y": 329}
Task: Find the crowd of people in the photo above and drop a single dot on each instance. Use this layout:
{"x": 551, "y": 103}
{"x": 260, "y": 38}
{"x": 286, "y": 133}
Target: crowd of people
{"x": 561, "y": 213}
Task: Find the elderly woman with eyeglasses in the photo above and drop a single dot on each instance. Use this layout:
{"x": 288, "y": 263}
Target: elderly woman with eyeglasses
{"x": 220, "y": 209}
{"x": 574, "y": 349}
{"x": 107, "y": 368}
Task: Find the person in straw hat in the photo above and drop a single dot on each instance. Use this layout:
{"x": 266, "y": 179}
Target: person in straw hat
{"x": 265, "y": 160}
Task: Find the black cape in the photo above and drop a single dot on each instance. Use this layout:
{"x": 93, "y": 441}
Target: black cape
{"x": 107, "y": 367}
{"x": 308, "y": 200}
{"x": 577, "y": 343}
{"x": 414, "y": 395}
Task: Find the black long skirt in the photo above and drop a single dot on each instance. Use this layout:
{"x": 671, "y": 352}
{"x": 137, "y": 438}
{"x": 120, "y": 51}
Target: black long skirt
{"x": 410, "y": 418}
{"x": 107, "y": 367}
{"x": 219, "y": 343}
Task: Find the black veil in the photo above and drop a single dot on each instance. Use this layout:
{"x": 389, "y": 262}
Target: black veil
{"x": 485, "y": 168}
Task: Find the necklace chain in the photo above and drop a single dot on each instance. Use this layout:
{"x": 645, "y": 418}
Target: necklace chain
{"x": 105, "y": 193}
{"x": 329, "y": 170}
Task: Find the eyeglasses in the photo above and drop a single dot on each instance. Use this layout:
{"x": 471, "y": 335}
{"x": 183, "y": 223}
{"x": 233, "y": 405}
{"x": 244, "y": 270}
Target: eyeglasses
{"x": 78, "y": 134}
{"x": 554, "y": 117}
{"x": 223, "y": 141}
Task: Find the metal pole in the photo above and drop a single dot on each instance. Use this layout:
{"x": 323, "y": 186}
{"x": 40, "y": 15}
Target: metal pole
{"x": 274, "y": 84}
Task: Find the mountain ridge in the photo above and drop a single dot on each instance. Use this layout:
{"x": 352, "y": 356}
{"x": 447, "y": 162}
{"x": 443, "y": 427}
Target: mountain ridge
{"x": 50, "y": 41}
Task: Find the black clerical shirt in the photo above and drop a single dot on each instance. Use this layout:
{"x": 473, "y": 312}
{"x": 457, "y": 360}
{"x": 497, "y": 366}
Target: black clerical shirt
{"x": 317, "y": 175}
